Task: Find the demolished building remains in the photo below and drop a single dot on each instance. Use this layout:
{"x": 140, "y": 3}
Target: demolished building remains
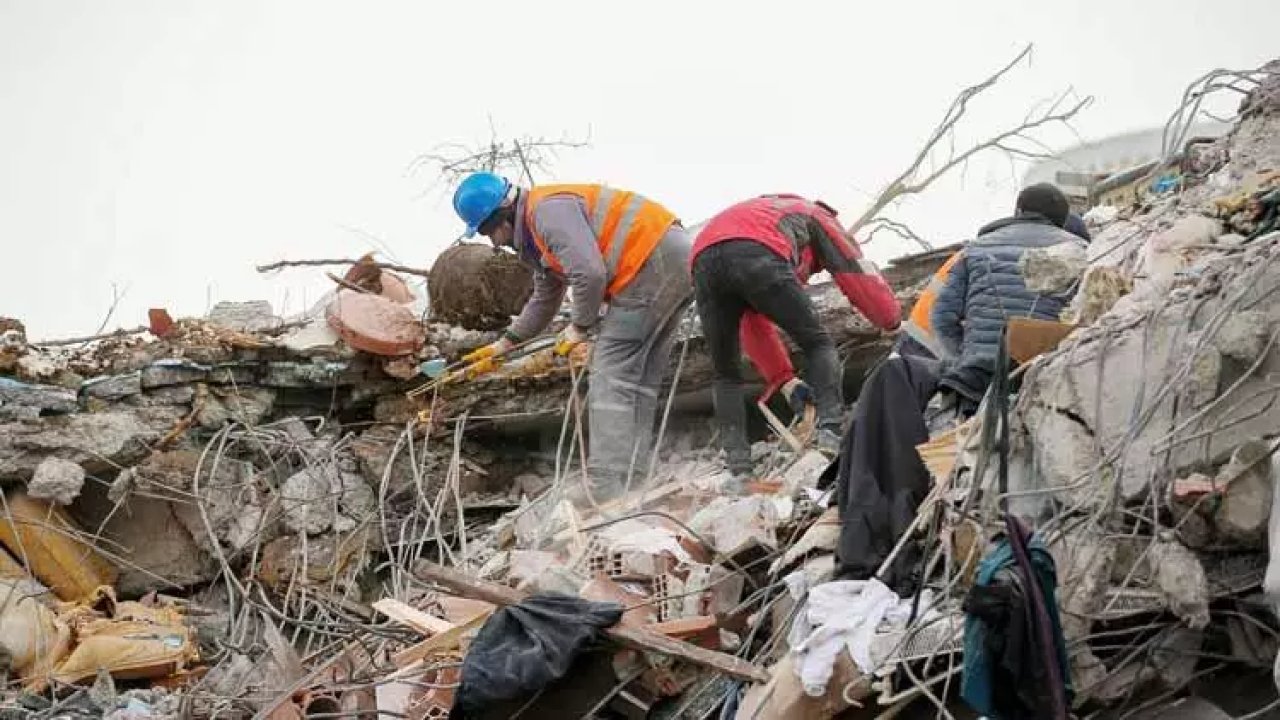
{"x": 249, "y": 516}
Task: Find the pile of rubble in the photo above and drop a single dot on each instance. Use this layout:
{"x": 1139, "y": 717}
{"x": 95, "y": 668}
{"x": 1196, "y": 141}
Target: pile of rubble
{"x": 251, "y": 488}
{"x": 243, "y": 515}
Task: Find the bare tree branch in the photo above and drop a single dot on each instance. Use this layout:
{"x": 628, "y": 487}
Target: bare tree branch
{"x": 521, "y": 156}
{"x": 116, "y": 296}
{"x": 902, "y": 230}
{"x": 89, "y": 338}
{"x": 318, "y": 263}
{"x": 1018, "y": 141}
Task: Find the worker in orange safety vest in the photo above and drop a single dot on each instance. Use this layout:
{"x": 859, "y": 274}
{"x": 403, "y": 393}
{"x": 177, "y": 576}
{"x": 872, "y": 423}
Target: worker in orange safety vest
{"x": 608, "y": 246}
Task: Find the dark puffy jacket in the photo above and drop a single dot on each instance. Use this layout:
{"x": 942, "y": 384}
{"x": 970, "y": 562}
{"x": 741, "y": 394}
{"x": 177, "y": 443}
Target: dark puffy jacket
{"x": 984, "y": 290}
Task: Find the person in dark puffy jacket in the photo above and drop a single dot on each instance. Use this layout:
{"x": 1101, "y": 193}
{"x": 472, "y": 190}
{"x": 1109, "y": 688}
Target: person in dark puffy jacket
{"x": 985, "y": 289}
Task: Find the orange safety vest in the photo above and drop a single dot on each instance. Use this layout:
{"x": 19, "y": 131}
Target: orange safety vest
{"x": 920, "y": 325}
{"x": 627, "y": 226}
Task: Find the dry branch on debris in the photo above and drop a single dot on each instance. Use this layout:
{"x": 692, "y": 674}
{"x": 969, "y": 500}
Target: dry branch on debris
{"x": 939, "y": 155}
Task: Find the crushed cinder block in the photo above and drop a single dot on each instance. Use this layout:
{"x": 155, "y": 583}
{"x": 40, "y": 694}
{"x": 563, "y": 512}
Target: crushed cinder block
{"x": 57, "y": 480}
{"x": 641, "y": 611}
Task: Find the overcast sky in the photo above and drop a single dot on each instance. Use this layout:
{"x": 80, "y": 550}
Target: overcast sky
{"x": 169, "y": 146}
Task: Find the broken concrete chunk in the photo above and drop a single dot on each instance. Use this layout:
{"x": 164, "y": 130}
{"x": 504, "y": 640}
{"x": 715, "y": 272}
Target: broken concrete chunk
{"x": 251, "y": 316}
{"x": 528, "y": 565}
{"x": 1206, "y": 373}
{"x": 315, "y": 336}
{"x": 730, "y": 524}
{"x": 164, "y": 396}
{"x": 1245, "y": 509}
{"x": 309, "y": 501}
{"x": 23, "y": 400}
{"x": 1180, "y": 577}
{"x": 1175, "y": 656}
{"x": 98, "y": 442}
{"x": 304, "y": 375}
{"x": 1085, "y": 562}
{"x": 1065, "y": 450}
{"x": 805, "y": 471}
{"x": 113, "y": 387}
{"x": 356, "y": 502}
{"x": 1242, "y": 335}
{"x": 173, "y": 372}
{"x": 248, "y": 405}
{"x": 57, "y": 480}
{"x": 557, "y": 579}
{"x": 1053, "y": 270}
{"x": 232, "y": 374}
{"x": 318, "y": 561}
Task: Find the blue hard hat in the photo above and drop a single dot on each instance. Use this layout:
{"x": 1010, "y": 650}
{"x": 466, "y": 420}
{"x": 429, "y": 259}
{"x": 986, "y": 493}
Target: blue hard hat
{"x": 477, "y": 197}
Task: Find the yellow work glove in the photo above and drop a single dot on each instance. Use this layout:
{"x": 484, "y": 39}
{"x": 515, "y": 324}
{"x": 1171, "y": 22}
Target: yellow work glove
{"x": 569, "y": 338}
{"x": 486, "y": 359}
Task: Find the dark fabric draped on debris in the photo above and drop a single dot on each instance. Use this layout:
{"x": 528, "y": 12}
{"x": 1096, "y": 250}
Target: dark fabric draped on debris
{"x": 1004, "y": 674}
{"x": 881, "y": 478}
{"x": 525, "y": 647}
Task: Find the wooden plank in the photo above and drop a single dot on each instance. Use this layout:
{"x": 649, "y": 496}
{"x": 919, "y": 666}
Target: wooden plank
{"x": 1029, "y": 337}
{"x": 638, "y": 638}
{"x": 423, "y": 622}
{"x": 684, "y": 626}
{"x": 447, "y": 640}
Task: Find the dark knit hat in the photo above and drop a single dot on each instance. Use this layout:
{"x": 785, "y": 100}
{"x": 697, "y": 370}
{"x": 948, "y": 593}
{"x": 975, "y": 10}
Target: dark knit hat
{"x": 1044, "y": 199}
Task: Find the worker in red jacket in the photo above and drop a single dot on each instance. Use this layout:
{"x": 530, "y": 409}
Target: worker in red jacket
{"x": 750, "y": 264}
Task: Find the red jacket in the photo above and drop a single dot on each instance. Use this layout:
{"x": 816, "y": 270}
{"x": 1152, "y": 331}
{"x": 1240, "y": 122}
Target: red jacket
{"x": 808, "y": 235}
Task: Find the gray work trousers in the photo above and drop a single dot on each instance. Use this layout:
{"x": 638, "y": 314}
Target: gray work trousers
{"x": 630, "y": 358}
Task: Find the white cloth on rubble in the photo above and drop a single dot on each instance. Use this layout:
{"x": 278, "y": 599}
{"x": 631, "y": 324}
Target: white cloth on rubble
{"x": 841, "y": 615}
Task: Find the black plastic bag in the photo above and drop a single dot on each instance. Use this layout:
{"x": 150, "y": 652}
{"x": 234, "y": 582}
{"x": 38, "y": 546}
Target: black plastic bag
{"x": 523, "y": 648}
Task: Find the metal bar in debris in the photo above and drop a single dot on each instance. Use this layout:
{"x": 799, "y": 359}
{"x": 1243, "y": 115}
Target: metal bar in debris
{"x": 633, "y": 637}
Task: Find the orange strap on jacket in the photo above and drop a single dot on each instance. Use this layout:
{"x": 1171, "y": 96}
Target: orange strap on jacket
{"x": 627, "y": 226}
